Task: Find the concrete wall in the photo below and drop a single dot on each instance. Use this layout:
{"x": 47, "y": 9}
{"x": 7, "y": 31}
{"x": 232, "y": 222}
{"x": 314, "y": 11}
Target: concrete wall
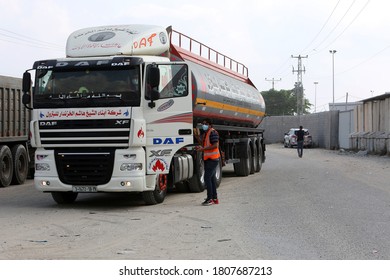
{"x": 324, "y": 128}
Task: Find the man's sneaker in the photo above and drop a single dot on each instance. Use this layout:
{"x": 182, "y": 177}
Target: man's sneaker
{"x": 208, "y": 202}
{"x": 216, "y": 201}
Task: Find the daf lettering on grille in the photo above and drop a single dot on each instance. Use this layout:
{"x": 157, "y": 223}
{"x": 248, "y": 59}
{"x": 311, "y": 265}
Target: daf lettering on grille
{"x": 52, "y": 123}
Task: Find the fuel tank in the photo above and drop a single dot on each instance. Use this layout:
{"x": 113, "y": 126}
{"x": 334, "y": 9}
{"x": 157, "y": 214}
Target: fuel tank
{"x": 225, "y": 100}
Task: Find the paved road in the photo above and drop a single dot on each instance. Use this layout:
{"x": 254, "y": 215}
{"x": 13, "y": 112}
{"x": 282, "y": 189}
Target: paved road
{"x": 326, "y": 205}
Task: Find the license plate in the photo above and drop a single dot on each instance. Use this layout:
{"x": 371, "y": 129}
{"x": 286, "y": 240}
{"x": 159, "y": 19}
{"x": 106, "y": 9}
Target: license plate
{"x": 84, "y": 189}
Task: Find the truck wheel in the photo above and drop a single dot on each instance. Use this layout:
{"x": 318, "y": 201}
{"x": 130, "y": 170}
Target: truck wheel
{"x": 196, "y": 182}
{"x": 160, "y": 191}
{"x": 253, "y": 148}
{"x": 243, "y": 167}
{"x": 20, "y": 164}
{"x": 6, "y": 166}
{"x": 256, "y": 158}
{"x": 218, "y": 174}
{"x": 64, "y": 197}
{"x": 259, "y": 159}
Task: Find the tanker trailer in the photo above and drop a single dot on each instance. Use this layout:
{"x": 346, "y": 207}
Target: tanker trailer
{"x": 226, "y": 95}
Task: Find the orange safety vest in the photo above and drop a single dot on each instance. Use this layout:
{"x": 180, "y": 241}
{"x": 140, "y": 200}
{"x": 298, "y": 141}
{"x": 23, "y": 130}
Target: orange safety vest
{"x": 210, "y": 154}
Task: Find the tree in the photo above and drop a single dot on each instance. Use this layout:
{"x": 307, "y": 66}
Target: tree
{"x": 283, "y": 102}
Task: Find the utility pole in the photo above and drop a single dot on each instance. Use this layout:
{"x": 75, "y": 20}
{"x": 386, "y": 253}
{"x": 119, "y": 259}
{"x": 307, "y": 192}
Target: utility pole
{"x": 333, "y": 52}
{"x": 299, "y": 84}
{"x": 315, "y": 97}
{"x": 273, "y": 82}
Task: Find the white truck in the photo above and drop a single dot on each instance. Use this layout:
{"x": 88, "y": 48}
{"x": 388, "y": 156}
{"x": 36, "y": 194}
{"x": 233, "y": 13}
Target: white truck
{"x": 118, "y": 113}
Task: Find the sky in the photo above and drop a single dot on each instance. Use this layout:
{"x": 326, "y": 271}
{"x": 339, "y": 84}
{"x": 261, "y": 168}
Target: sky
{"x": 265, "y": 35}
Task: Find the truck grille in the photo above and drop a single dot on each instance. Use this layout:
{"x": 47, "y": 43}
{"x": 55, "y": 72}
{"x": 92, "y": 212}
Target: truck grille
{"x": 88, "y": 133}
{"x": 85, "y": 167}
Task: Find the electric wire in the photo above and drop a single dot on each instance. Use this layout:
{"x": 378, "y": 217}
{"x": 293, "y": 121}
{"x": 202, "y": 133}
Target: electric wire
{"x": 353, "y": 20}
{"x": 13, "y": 37}
{"x": 322, "y": 28}
{"x": 334, "y": 28}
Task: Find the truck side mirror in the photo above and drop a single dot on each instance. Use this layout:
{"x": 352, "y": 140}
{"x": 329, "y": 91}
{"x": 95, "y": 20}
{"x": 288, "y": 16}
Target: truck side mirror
{"x": 154, "y": 76}
{"x": 26, "y": 87}
{"x": 26, "y": 82}
{"x": 153, "y": 82}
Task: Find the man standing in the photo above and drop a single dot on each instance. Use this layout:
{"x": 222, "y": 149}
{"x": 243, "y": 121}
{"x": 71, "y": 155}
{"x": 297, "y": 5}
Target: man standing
{"x": 211, "y": 157}
{"x": 300, "y": 140}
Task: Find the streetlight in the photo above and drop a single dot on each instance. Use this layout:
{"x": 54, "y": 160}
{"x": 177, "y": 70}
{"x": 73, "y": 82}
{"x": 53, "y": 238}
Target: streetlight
{"x": 333, "y": 52}
{"x": 315, "y": 96}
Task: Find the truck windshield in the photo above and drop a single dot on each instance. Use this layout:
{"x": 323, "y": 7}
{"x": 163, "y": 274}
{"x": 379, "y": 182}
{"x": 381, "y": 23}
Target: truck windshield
{"x": 87, "y": 88}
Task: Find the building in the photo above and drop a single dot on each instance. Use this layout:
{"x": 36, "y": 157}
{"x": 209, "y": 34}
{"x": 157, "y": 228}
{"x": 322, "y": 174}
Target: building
{"x": 372, "y": 125}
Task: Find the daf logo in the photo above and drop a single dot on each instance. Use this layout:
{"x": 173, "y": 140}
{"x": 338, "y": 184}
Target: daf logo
{"x": 121, "y": 122}
{"x": 52, "y": 123}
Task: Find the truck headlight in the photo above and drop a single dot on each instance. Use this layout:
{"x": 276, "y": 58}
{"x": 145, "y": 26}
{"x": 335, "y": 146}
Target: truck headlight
{"x": 131, "y": 166}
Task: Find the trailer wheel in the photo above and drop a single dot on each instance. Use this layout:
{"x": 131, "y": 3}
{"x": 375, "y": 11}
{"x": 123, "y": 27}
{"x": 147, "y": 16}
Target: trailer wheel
{"x": 6, "y": 166}
{"x": 259, "y": 158}
{"x": 196, "y": 182}
{"x": 20, "y": 164}
{"x": 64, "y": 197}
{"x": 243, "y": 167}
{"x": 218, "y": 174}
{"x": 160, "y": 191}
{"x": 253, "y": 149}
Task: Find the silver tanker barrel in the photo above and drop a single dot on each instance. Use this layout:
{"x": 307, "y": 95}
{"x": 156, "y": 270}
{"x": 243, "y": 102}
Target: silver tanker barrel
{"x": 227, "y": 101}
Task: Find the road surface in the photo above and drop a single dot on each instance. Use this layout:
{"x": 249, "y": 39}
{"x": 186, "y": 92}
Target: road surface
{"x": 326, "y": 205}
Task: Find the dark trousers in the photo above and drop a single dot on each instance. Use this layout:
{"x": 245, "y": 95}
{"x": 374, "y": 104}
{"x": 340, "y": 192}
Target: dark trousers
{"x": 300, "y": 148}
{"x": 210, "y": 168}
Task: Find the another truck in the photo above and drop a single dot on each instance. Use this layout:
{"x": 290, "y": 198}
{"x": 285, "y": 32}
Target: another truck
{"x": 119, "y": 113}
{"x": 14, "y": 132}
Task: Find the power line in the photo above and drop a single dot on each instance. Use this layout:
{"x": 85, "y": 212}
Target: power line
{"x": 322, "y": 28}
{"x": 334, "y": 28}
{"x": 358, "y": 14}
{"x": 364, "y": 61}
{"x": 13, "y": 37}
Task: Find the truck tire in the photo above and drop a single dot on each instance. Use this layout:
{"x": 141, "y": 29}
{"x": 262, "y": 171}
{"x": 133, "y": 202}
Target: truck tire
{"x": 255, "y": 158}
{"x": 196, "y": 182}
{"x": 6, "y": 166}
{"x": 259, "y": 159}
{"x": 20, "y": 164}
{"x": 218, "y": 174}
{"x": 243, "y": 167}
{"x": 160, "y": 191}
{"x": 64, "y": 197}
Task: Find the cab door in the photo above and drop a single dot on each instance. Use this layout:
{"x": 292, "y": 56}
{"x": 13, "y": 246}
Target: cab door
{"x": 168, "y": 114}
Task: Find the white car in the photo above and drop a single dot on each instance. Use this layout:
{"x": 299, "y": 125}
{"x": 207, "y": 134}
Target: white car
{"x": 290, "y": 138}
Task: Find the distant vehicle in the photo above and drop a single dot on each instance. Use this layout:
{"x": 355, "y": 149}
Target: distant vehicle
{"x": 290, "y": 138}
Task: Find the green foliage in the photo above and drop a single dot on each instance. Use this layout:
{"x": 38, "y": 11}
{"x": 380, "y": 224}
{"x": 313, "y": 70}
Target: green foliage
{"x": 283, "y": 102}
